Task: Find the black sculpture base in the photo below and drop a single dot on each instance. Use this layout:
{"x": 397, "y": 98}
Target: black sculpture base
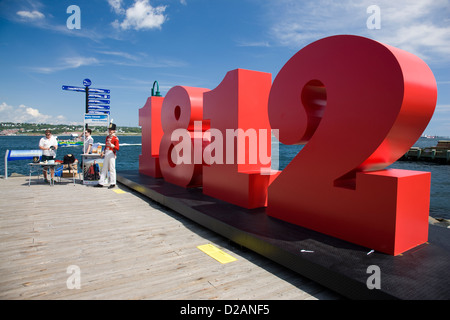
{"x": 420, "y": 273}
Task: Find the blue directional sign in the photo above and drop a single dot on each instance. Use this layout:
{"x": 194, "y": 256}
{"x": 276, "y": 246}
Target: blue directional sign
{"x": 22, "y": 154}
{"x": 87, "y": 82}
{"x": 98, "y": 101}
{"x": 72, "y": 88}
{"x": 96, "y": 119}
{"x": 99, "y": 96}
{"x": 99, "y": 112}
{"x": 98, "y": 107}
{"x": 96, "y": 90}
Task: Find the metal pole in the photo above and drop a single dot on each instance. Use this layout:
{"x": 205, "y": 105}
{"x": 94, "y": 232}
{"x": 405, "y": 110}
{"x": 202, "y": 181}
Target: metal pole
{"x": 6, "y": 164}
{"x": 156, "y": 93}
{"x": 87, "y": 99}
{"x": 87, "y": 103}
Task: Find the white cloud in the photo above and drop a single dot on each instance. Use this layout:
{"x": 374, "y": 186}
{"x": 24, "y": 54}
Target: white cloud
{"x": 67, "y": 63}
{"x": 421, "y": 27}
{"x": 297, "y": 23}
{"x": 120, "y": 54}
{"x": 34, "y": 17}
{"x": 26, "y": 114}
{"x": 423, "y": 40}
{"x": 76, "y": 62}
{"x": 116, "y": 5}
{"x": 241, "y": 43}
{"x": 141, "y": 15}
{"x": 440, "y": 122}
{"x": 31, "y": 14}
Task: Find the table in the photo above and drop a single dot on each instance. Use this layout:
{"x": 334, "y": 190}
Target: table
{"x": 39, "y": 167}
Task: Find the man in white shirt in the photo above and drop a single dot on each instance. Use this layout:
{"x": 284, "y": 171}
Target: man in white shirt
{"x": 48, "y": 145}
{"x": 88, "y": 141}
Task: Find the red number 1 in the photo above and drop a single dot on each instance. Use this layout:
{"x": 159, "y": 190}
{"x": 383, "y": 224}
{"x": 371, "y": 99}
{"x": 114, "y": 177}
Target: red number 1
{"x": 150, "y": 121}
{"x": 240, "y": 103}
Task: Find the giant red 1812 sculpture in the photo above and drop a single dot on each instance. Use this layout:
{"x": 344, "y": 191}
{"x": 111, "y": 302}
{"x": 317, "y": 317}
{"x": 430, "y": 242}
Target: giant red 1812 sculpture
{"x": 358, "y": 105}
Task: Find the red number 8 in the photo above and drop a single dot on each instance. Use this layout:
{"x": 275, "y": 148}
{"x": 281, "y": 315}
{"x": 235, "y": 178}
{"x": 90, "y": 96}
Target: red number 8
{"x": 182, "y": 107}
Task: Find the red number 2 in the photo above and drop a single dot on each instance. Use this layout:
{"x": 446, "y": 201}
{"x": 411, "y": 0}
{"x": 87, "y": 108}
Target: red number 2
{"x": 358, "y": 105}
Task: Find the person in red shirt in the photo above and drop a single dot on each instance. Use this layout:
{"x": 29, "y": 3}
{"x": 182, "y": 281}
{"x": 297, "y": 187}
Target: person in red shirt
{"x": 109, "y": 155}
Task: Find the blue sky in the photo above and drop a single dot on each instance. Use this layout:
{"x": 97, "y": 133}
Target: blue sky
{"x": 125, "y": 45}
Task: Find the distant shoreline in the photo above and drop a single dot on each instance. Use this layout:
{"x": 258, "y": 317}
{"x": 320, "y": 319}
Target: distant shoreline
{"x": 38, "y": 129}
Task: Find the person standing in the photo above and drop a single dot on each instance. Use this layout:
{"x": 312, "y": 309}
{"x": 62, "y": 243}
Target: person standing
{"x": 109, "y": 155}
{"x": 88, "y": 141}
{"x": 48, "y": 145}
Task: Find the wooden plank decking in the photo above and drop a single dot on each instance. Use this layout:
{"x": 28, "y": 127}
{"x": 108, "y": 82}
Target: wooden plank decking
{"x": 126, "y": 247}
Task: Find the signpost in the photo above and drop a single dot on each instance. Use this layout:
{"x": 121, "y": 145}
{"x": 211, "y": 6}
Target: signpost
{"x": 97, "y": 100}
{"x": 95, "y": 119}
{"x": 96, "y": 113}
{"x": 99, "y": 96}
{"x": 98, "y": 108}
{"x": 94, "y": 90}
{"x": 72, "y": 88}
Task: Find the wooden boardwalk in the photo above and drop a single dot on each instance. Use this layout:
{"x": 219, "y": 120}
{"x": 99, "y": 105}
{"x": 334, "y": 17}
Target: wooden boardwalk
{"x": 126, "y": 247}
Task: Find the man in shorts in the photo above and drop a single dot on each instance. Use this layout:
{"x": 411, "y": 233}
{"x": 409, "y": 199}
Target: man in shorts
{"x": 48, "y": 145}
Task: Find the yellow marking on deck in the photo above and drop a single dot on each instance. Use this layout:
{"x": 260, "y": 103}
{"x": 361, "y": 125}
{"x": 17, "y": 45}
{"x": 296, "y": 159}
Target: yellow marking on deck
{"x": 119, "y": 191}
{"x": 216, "y": 253}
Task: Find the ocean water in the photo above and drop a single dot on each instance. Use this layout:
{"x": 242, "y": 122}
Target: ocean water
{"x": 130, "y": 149}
